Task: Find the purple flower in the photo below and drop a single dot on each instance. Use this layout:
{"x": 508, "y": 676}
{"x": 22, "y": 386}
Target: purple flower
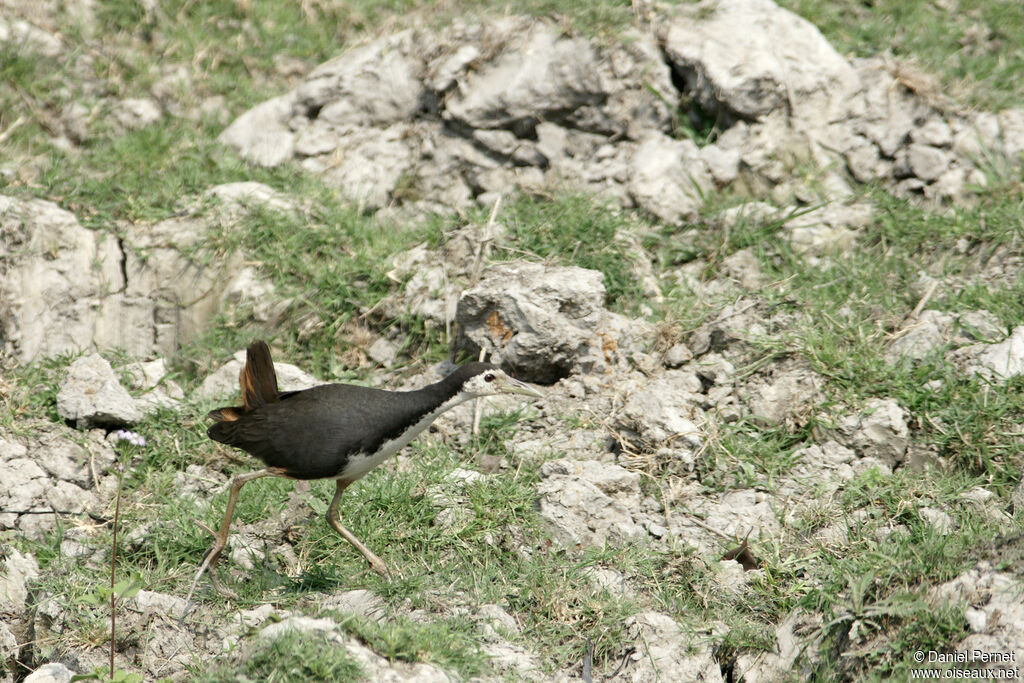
{"x": 129, "y": 436}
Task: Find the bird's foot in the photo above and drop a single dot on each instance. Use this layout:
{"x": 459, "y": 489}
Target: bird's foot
{"x": 377, "y": 564}
{"x": 221, "y": 588}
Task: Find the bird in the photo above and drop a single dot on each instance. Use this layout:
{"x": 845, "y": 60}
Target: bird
{"x": 332, "y": 431}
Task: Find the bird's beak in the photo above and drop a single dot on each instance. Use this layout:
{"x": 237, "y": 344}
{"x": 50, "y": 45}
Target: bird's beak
{"x": 514, "y": 386}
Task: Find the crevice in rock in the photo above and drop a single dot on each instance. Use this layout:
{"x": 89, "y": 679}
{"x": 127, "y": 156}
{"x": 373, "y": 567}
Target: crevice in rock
{"x": 122, "y": 262}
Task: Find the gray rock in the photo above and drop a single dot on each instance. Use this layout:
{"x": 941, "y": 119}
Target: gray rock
{"x": 724, "y": 164}
{"x": 780, "y": 62}
{"x": 246, "y": 195}
{"x": 928, "y": 332}
{"x": 668, "y": 177}
{"x": 151, "y": 602}
{"x": 261, "y": 134}
{"x": 865, "y": 162}
{"x": 18, "y": 570}
{"x": 998, "y": 361}
{"x": 160, "y": 391}
{"x": 376, "y": 84}
{"x": 938, "y": 519}
{"x": 542, "y": 75}
{"x": 661, "y": 413}
{"x": 361, "y": 603}
{"x": 995, "y": 612}
{"x": 791, "y": 389}
{"x": 926, "y": 162}
{"x": 830, "y": 228}
{"x": 54, "y": 279}
{"x": 135, "y": 113}
{"x": 665, "y": 653}
{"x": 1011, "y": 124}
{"x": 880, "y": 431}
{"x": 797, "y": 638}
{"x": 8, "y": 643}
{"x": 382, "y": 351}
{"x": 22, "y": 35}
{"x": 536, "y": 319}
{"x": 50, "y": 673}
{"x": 934, "y": 132}
{"x": 367, "y": 163}
{"x": 90, "y": 395}
{"x": 590, "y": 503}
{"x": 298, "y": 623}
{"x": 677, "y": 355}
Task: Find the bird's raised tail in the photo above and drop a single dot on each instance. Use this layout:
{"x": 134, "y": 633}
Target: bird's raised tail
{"x": 258, "y": 382}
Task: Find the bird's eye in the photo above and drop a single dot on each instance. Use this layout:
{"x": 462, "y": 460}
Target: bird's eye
{"x": 489, "y": 377}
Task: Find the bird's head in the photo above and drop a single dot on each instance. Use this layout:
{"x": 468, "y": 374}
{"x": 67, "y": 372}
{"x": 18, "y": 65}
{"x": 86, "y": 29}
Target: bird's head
{"x": 485, "y": 379}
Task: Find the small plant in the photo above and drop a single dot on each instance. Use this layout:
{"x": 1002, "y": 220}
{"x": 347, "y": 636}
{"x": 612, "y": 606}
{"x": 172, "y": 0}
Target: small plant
{"x": 126, "y": 443}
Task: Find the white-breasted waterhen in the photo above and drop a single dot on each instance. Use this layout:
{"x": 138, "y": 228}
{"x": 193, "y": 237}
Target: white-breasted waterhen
{"x": 333, "y": 431}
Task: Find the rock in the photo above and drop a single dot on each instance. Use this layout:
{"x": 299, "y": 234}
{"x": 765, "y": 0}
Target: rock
{"x": 248, "y": 195}
{"x": 540, "y": 78}
{"x": 925, "y": 334}
{"x": 880, "y": 431}
{"x": 590, "y": 503}
{"x": 8, "y": 643}
{"x": 160, "y": 392}
{"x": 249, "y": 295}
{"x": 938, "y": 520}
{"x": 661, "y": 413}
{"x": 782, "y": 60}
{"x": 996, "y": 361}
{"x": 535, "y": 319}
{"x": 22, "y": 35}
{"x": 383, "y": 352}
{"x": 18, "y": 571}
{"x": 50, "y": 673}
{"x": 1011, "y": 124}
{"x": 797, "y": 640}
{"x": 668, "y": 178}
{"x": 934, "y": 132}
{"x": 56, "y": 477}
{"x": 376, "y": 84}
{"x": 664, "y": 653}
{"x": 90, "y": 395}
{"x": 298, "y": 623}
{"x": 134, "y": 114}
{"x": 161, "y": 604}
{"x": 743, "y": 267}
{"x": 602, "y": 578}
{"x": 367, "y": 164}
{"x": 933, "y": 328}
{"x": 926, "y": 162}
{"x": 864, "y": 160}
{"x": 497, "y": 617}
{"x": 830, "y": 228}
{"x": 787, "y": 395}
{"x": 55, "y": 278}
{"x": 260, "y": 134}
{"x": 723, "y": 164}
{"x": 678, "y": 355}
{"x": 360, "y": 603}
{"x": 996, "y": 614}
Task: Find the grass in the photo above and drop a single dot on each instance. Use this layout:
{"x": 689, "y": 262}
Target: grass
{"x": 974, "y": 46}
{"x": 292, "y": 657}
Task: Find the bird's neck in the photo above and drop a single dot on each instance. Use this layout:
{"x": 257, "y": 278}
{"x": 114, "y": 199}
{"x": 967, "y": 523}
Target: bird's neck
{"x": 445, "y": 395}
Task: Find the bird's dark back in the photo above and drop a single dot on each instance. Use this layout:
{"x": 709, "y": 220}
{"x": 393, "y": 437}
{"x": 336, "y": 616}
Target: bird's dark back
{"x": 311, "y": 434}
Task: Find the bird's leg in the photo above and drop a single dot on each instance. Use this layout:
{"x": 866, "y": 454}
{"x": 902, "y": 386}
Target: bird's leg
{"x": 335, "y": 521}
{"x": 221, "y": 537}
